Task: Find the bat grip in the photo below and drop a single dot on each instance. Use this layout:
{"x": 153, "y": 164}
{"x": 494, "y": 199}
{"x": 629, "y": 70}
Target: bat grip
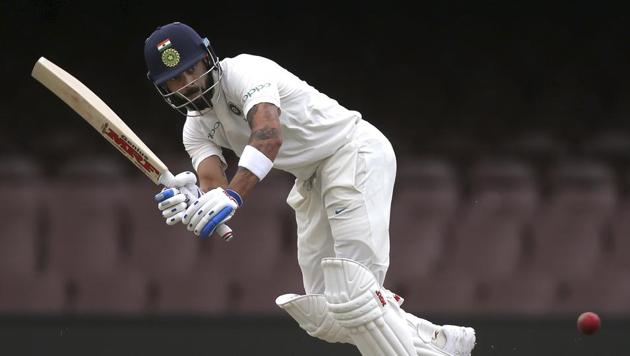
{"x": 225, "y": 232}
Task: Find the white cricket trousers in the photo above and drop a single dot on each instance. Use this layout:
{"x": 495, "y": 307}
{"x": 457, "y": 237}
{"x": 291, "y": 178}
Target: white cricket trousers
{"x": 343, "y": 209}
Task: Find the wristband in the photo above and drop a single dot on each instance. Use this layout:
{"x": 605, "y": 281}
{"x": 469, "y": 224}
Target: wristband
{"x": 233, "y": 194}
{"x": 255, "y": 161}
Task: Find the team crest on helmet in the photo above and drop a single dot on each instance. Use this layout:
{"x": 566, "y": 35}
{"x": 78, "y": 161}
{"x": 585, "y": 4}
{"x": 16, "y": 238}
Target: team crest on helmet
{"x": 170, "y": 57}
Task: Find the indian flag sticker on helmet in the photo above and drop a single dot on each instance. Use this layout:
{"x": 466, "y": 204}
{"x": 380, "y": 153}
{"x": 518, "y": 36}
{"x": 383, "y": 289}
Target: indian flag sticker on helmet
{"x": 170, "y": 57}
{"x": 164, "y": 45}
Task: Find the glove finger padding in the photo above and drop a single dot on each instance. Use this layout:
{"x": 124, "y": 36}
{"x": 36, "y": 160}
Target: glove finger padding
{"x": 165, "y": 194}
{"x": 175, "y": 218}
{"x": 221, "y": 217}
{"x": 172, "y": 202}
{"x": 174, "y": 210}
{"x": 207, "y": 207}
{"x": 201, "y": 220}
{"x": 168, "y": 203}
{"x": 194, "y": 207}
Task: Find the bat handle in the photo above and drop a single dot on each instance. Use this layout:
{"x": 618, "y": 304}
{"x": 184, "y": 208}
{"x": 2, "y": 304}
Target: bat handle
{"x": 224, "y": 232}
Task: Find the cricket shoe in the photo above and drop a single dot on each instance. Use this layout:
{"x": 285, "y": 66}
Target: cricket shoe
{"x": 450, "y": 340}
{"x": 447, "y": 339}
{"x": 455, "y": 340}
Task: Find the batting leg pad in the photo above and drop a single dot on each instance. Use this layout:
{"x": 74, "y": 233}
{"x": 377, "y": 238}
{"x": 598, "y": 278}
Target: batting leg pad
{"x": 311, "y": 313}
{"x": 356, "y": 301}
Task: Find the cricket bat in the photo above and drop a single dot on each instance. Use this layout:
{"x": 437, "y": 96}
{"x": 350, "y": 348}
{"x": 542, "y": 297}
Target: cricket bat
{"x": 94, "y": 110}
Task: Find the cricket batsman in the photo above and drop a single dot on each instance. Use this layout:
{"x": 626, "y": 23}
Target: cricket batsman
{"x": 344, "y": 172}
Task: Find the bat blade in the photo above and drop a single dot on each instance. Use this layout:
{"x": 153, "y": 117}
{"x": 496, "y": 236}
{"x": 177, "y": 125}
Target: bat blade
{"x": 104, "y": 120}
{"x": 93, "y": 110}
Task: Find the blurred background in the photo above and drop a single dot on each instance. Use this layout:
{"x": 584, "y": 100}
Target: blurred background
{"x": 512, "y": 203}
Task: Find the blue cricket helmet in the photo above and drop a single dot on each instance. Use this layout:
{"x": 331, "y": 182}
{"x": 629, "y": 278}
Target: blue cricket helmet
{"x": 171, "y": 49}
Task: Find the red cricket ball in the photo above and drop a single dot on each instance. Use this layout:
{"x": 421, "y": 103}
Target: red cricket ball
{"x": 588, "y": 323}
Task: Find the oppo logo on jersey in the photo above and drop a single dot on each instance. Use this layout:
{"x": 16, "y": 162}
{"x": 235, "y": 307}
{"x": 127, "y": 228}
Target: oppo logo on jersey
{"x": 214, "y": 130}
{"x": 129, "y": 150}
{"x": 255, "y": 89}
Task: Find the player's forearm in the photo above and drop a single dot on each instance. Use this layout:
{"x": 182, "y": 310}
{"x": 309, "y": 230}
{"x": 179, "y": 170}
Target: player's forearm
{"x": 211, "y": 174}
{"x": 266, "y": 139}
{"x": 243, "y": 181}
{"x": 212, "y": 183}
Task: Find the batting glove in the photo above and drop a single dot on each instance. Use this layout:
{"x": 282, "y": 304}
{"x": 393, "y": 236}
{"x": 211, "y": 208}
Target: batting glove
{"x": 210, "y": 210}
{"x": 173, "y": 201}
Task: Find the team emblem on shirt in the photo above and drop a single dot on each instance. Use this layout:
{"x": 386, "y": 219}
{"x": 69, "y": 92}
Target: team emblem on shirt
{"x": 170, "y": 57}
{"x": 234, "y": 109}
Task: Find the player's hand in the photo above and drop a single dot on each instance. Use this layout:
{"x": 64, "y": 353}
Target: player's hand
{"x": 173, "y": 201}
{"x": 212, "y": 209}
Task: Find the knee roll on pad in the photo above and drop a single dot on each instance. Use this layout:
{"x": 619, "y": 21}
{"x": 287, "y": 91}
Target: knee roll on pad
{"x": 356, "y": 301}
{"x": 311, "y": 313}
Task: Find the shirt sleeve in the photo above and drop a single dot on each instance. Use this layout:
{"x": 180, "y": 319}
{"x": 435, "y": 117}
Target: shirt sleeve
{"x": 198, "y": 146}
{"x": 254, "y": 82}
{"x": 266, "y": 92}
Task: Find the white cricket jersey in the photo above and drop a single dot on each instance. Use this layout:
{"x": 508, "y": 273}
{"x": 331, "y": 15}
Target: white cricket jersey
{"x": 314, "y": 126}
